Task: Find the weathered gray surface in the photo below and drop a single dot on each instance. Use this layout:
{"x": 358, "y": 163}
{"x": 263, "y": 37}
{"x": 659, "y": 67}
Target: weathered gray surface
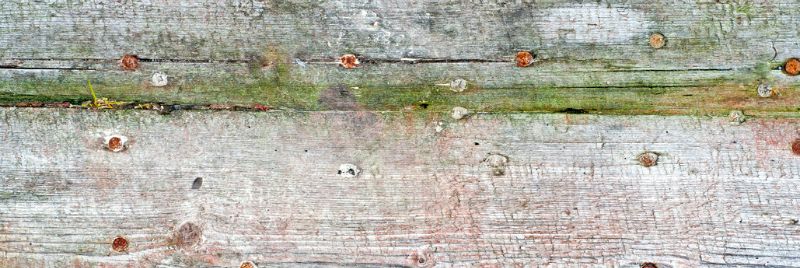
{"x": 571, "y": 194}
{"x": 717, "y": 52}
{"x": 715, "y": 34}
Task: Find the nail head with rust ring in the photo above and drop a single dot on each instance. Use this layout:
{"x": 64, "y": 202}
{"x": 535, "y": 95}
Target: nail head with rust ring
{"x": 129, "y": 62}
{"x": 187, "y": 235}
{"x": 348, "y": 61}
{"x": 524, "y": 59}
{"x": 764, "y": 90}
{"x": 792, "y": 66}
{"x": 657, "y": 40}
{"x": 796, "y": 147}
{"x": 648, "y": 159}
{"x": 119, "y": 244}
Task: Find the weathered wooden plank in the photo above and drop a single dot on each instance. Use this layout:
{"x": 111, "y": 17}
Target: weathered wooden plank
{"x": 244, "y": 52}
{"x": 713, "y": 33}
{"x": 431, "y": 188}
{"x": 393, "y": 87}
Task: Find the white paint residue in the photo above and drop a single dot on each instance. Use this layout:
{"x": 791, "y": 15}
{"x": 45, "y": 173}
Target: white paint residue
{"x": 159, "y": 79}
{"x": 592, "y": 23}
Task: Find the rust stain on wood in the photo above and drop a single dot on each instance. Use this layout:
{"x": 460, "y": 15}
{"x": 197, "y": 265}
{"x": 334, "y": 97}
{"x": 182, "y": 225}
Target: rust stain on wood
{"x": 129, "y": 62}
{"x": 792, "y": 66}
{"x": 349, "y": 61}
{"x": 524, "y": 59}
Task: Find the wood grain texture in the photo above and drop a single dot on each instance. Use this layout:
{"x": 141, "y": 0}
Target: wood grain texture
{"x": 250, "y": 51}
{"x": 571, "y": 192}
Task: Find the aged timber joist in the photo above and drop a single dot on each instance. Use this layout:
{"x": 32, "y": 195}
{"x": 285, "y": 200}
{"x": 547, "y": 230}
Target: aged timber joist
{"x": 399, "y": 133}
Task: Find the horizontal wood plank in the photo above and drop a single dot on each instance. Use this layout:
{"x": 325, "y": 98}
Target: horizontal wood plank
{"x": 491, "y": 189}
{"x": 285, "y": 53}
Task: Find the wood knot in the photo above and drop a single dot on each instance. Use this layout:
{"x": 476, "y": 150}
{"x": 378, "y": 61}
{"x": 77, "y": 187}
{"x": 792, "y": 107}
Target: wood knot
{"x": 792, "y": 66}
{"x": 657, "y": 40}
{"x": 648, "y": 159}
{"x": 348, "y": 170}
{"x": 421, "y": 258}
{"x": 796, "y": 147}
{"x": 348, "y": 61}
{"x": 129, "y": 62}
{"x": 120, "y": 244}
{"x": 524, "y": 59}
{"x": 187, "y": 235}
{"x": 116, "y": 143}
{"x": 497, "y": 162}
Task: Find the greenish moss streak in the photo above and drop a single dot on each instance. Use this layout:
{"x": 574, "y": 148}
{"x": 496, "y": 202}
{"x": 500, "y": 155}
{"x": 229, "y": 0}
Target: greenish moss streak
{"x": 280, "y": 89}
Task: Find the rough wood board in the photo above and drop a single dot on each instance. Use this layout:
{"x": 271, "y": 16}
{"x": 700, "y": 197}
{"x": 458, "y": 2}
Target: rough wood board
{"x": 571, "y": 194}
{"x": 244, "y": 52}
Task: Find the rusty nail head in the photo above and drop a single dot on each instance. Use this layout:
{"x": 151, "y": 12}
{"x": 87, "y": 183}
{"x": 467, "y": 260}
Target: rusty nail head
{"x": 524, "y": 59}
{"x": 796, "y": 147}
{"x": 119, "y": 244}
{"x": 348, "y": 61}
{"x": 648, "y": 265}
{"x": 792, "y": 66}
{"x": 657, "y": 40}
{"x": 129, "y": 62}
{"x": 116, "y": 143}
{"x": 247, "y": 264}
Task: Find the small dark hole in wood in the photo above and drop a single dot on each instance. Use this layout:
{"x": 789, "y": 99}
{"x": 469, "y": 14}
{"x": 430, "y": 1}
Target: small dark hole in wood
{"x": 198, "y": 182}
{"x": 351, "y": 172}
{"x": 477, "y": 143}
{"x": 424, "y": 105}
{"x": 339, "y": 172}
{"x": 421, "y": 260}
{"x": 305, "y": 151}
